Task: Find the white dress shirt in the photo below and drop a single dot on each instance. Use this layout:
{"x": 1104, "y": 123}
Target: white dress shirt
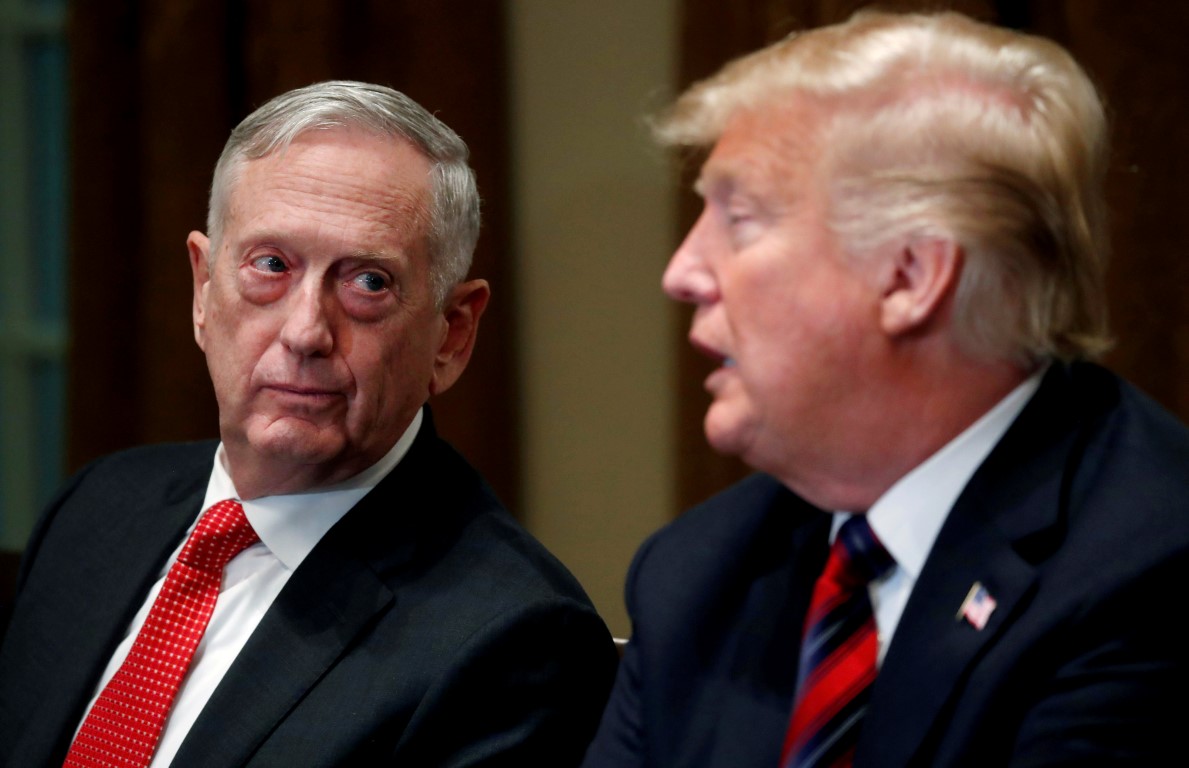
{"x": 289, "y": 527}
{"x": 909, "y": 515}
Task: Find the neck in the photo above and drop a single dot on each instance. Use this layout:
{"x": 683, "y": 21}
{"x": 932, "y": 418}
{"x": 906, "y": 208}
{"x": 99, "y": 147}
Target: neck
{"x": 257, "y": 476}
{"x": 916, "y": 408}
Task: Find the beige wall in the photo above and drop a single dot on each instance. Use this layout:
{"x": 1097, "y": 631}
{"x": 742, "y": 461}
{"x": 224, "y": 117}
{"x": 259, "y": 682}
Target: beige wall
{"x": 593, "y": 229}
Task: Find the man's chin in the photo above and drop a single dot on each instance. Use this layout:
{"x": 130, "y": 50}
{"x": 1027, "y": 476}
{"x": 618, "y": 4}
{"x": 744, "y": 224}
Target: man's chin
{"x": 725, "y": 432}
{"x": 299, "y": 443}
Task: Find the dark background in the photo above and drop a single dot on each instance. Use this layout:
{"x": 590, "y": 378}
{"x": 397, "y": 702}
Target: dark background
{"x": 157, "y": 87}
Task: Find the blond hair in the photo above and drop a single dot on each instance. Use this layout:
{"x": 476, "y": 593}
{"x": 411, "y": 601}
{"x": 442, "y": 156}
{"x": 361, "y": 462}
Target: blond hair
{"x": 940, "y": 126}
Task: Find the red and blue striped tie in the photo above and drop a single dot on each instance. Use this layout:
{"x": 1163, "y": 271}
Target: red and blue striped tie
{"x": 838, "y": 653}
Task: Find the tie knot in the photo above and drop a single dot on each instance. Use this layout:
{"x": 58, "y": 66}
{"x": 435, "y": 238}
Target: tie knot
{"x": 858, "y": 556}
{"x": 222, "y": 532}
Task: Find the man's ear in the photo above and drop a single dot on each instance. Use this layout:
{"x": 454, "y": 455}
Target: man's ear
{"x": 199, "y": 246}
{"x": 463, "y": 309}
{"x": 917, "y": 282}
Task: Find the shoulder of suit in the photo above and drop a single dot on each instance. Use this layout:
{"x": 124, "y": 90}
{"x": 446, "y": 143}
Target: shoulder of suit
{"x": 730, "y": 522}
{"x": 164, "y": 466}
{"x": 739, "y": 509}
{"x": 168, "y": 457}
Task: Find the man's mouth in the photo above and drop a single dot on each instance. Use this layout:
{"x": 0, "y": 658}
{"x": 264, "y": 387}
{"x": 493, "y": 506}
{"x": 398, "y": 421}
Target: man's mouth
{"x": 704, "y": 349}
{"x": 300, "y": 392}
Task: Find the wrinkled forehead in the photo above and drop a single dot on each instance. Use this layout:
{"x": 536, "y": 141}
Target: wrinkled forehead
{"x": 383, "y": 155}
{"x": 761, "y": 146}
{"x": 379, "y": 171}
{"x": 338, "y": 180}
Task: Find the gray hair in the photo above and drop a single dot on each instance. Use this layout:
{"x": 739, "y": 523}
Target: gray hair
{"x": 940, "y": 126}
{"x": 454, "y": 218}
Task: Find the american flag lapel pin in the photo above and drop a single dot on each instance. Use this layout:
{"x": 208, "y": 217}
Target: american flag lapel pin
{"x": 977, "y": 607}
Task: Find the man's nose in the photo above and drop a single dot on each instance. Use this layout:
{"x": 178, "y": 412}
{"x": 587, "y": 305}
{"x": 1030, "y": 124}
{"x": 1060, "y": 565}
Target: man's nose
{"x": 687, "y": 277}
{"x": 307, "y": 329}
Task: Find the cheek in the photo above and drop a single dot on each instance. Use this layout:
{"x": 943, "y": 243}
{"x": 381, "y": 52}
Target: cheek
{"x": 379, "y": 366}
{"x": 236, "y": 349}
{"x": 785, "y": 349}
{"x": 254, "y": 331}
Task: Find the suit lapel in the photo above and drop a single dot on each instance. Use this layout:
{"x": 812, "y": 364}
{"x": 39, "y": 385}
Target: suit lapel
{"x": 1006, "y": 520}
{"x": 933, "y": 646}
{"x": 106, "y": 588}
{"x": 765, "y": 657}
{"x": 331, "y": 597}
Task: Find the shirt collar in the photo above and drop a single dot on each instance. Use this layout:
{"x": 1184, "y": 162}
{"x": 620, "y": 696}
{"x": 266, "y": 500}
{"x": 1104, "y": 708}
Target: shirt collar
{"x": 909, "y": 515}
{"x": 291, "y": 525}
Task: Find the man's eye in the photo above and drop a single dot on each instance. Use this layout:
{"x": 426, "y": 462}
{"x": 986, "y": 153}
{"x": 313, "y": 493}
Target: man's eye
{"x": 269, "y": 264}
{"x": 737, "y": 218}
{"x": 372, "y": 282}
{"x": 743, "y": 226}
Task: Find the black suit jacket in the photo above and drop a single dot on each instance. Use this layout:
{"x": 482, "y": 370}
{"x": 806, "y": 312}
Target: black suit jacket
{"x": 426, "y": 628}
{"x": 1078, "y": 526}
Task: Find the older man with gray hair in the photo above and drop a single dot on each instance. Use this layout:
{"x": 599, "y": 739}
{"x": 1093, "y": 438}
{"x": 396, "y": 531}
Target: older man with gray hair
{"x": 329, "y": 584}
{"x": 899, "y": 269}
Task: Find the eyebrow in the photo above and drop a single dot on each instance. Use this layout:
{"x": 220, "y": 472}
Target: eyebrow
{"x": 717, "y": 179}
{"x": 726, "y": 180}
{"x": 371, "y": 256}
{"x": 733, "y": 172}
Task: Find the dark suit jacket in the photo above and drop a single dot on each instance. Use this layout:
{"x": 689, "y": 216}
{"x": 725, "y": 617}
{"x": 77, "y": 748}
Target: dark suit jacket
{"x": 426, "y": 628}
{"x": 1077, "y": 524}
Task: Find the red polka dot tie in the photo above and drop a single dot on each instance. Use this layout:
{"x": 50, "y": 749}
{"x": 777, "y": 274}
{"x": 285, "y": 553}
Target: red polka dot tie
{"x": 838, "y": 653}
{"x": 123, "y": 727}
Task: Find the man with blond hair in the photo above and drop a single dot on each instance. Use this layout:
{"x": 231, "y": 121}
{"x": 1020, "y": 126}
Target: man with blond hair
{"x": 899, "y": 267}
